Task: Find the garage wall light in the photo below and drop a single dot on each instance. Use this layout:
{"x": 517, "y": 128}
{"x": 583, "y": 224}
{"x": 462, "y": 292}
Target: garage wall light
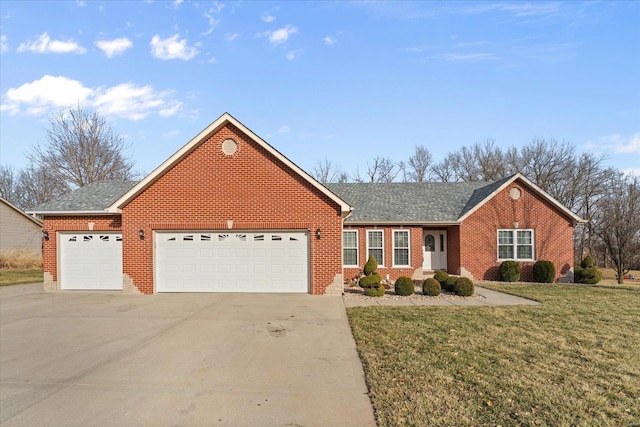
{"x": 141, "y": 234}
{"x": 318, "y": 233}
{"x": 45, "y": 234}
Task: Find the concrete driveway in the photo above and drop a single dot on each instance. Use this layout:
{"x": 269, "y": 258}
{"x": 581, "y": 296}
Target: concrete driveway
{"x": 103, "y": 358}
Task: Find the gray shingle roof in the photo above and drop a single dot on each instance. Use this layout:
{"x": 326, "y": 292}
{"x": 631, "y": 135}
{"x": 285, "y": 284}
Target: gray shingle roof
{"x": 412, "y": 202}
{"x": 96, "y": 196}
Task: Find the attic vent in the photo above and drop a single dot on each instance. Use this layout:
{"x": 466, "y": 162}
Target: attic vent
{"x": 229, "y": 147}
{"x": 515, "y": 193}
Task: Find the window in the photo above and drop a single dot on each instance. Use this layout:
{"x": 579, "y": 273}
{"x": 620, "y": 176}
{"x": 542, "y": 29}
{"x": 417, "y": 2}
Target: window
{"x": 350, "y": 247}
{"x": 515, "y": 244}
{"x": 401, "y": 247}
{"x": 375, "y": 245}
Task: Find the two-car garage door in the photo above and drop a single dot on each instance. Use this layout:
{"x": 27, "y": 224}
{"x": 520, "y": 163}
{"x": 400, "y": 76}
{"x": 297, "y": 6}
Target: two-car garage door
{"x": 229, "y": 261}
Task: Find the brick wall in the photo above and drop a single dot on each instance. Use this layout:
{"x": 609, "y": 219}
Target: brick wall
{"x": 251, "y": 188}
{"x": 415, "y": 255}
{"x": 478, "y": 233}
{"x": 54, "y": 224}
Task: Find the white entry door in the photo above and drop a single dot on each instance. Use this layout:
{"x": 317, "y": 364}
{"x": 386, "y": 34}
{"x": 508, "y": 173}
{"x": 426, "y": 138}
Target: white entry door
{"x": 434, "y": 247}
{"x": 90, "y": 261}
{"x": 231, "y": 261}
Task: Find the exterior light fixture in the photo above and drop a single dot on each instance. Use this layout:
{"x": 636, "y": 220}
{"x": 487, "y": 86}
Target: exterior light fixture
{"x": 141, "y": 234}
{"x": 45, "y": 234}
{"x": 318, "y": 233}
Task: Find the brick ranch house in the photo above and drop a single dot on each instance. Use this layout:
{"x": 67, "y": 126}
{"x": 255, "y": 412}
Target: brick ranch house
{"x": 229, "y": 213}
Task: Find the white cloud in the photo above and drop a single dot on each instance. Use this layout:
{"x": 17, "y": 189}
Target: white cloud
{"x": 517, "y": 9}
{"x": 44, "y": 44}
{"x": 176, "y": 3}
{"x": 620, "y": 144}
{"x": 280, "y": 36}
{"x": 284, "y": 129}
{"x": 472, "y": 57}
{"x": 81, "y": 3}
{"x": 210, "y": 15}
{"x": 171, "y": 134}
{"x": 41, "y": 96}
{"x": 267, "y": 17}
{"x": 231, "y": 37}
{"x": 172, "y": 48}
{"x": 328, "y": 40}
{"x": 114, "y": 47}
{"x": 291, "y": 55}
{"x": 125, "y": 100}
{"x": 4, "y": 45}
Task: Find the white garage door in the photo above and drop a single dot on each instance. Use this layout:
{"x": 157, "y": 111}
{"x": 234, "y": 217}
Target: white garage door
{"x": 91, "y": 261}
{"x": 224, "y": 261}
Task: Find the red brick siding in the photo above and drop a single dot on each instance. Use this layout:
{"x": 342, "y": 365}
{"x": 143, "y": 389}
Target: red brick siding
{"x": 478, "y": 233}
{"x": 415, "y": 247}
{"x": 251, "y": 188}
{"x": 453, "y": 249}
{"x": 54, "y": 224}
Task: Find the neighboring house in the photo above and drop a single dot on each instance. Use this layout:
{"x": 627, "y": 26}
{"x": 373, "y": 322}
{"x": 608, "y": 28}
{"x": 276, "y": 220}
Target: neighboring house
{"x": 229, "y": 213}
{"x": 19, "y": 230}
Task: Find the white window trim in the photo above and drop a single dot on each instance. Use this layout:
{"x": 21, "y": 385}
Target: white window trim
{"x": 515, "y": 244}
{"x": 380, "y": 264}
{"x": 393, "y": 243}
{"x": 357, "y": 248}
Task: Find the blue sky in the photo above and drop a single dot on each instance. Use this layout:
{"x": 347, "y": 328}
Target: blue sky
{"x": 342, "y": 81}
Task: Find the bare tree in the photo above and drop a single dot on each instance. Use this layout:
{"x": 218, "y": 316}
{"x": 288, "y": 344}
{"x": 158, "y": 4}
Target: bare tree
{"x": 381, "y": 169}
{"x": 419, "y": 164}
{"x": 325, "y": 171}
{"x": 82, "y": 149}
{"x": 443, "y": 171}
{"x": 545, "y": 162}
{"x": 618, "y": 223}
{"x": 37, "y": 185}
{"x": 489, "y": 159}
{"x": 8, "y": 184}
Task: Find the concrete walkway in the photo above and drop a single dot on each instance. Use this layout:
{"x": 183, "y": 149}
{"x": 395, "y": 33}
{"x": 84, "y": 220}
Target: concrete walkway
{"x": 483, "y": 297}
{"x": 79, "y": 358}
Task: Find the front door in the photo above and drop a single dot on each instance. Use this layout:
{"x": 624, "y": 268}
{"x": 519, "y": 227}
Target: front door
{"x": 434, "y": 248}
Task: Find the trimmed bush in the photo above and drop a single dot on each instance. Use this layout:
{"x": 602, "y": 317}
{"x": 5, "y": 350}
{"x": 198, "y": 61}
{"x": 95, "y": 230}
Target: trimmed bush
{"x": 463, "y": 287}
{"x": 544, "y": 272}
{"x": 404, "y": 286}
{"x": 376, "y": 291}
{"x": 509, "y": 271}
{"x": 431, "y": 287}
{"x": 441, "y": 276}
{"x": 587, "y": 276}
{"x": 371, "y": 266}
{"x": 370, "y": 281}
{"x": 449, "y": 284}
{"x": 587, "y": 262}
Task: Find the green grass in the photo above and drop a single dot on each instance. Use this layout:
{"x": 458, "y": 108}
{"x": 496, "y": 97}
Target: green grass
{"x": 18, "y": 277}
{"x": 573, "y": 361}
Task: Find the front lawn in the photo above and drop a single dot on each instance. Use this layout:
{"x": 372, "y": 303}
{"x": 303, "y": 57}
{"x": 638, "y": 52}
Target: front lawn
{"x": 574, "y": 360}
{"x": 17, "y": 277}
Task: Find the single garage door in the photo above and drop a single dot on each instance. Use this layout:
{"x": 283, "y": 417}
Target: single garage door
{"x": 223, "y": 261}
{"x": 91, "y": 261}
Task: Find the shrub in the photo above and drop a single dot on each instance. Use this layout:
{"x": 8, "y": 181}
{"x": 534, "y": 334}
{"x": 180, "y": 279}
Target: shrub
{"x": 587, "y": 276}
{"x": 375, "y": 291}
{"x": 441, "y": 276}
{"x": 544, "y": 272}
{"x": 449, "y": 284}
{"x": 370, "y": 281}
{"x": 371, "y": 266}
{"x": 431, "y": 287}
{"x": 463, "y": 287}
{"x": 587, "y": 262}
{"x": 509, "y": 271}
{"x": 404, "y": 286}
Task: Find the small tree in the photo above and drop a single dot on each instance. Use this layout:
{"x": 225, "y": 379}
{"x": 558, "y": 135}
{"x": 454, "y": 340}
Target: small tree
{"x": 371, "y": 281}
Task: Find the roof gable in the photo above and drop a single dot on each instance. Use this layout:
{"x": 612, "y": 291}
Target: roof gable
{"x": 19, "y": 211}
{"x": 198, "y": 140}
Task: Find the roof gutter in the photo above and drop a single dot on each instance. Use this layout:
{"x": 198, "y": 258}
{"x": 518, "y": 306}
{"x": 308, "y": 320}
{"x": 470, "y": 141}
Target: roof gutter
{"x": 72, "y": 213}
{"x": 420, "y": 223}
